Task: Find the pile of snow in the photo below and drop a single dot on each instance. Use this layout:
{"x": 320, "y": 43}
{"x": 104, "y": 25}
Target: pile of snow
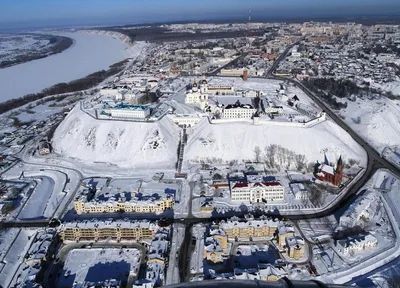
{"x": 126, "y": 144}
{"x": 238, "y": 141}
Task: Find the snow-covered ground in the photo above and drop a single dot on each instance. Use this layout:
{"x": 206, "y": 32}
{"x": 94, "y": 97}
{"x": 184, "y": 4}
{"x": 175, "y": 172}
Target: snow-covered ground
{"x": 178, "y": 235}
{"x": 52, "y": 191}
{"x": 98, "y": 264}
{"x": 88, "y": 54}
{"x": 381, "y": 218}
{"x": 196, "y": 259}
{"x": 14, "y": 244}
{"x": 13, "y": 46}
{"x": 237, "y": 141}
{"x": 377, "y": 121}
{"x": 126, "y": 144}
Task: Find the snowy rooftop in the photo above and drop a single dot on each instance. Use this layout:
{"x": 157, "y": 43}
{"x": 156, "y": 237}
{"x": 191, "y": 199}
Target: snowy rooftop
{"x": 129, "y": 199}
{"x": 122, "y": 106}
{"x": 120, "y": 223}
{"x": 284, "y": 229}
{"x": 159, "y": 245}
{"x": 357, "y": 240}
{"x": 251, "y": 223}
{"x": 294, "y": 241}
{"x": 268, "y": 269}
{"x": 362, "y": 206}
{"x": 257, "y": 184}
{"x": 327, "y": 169}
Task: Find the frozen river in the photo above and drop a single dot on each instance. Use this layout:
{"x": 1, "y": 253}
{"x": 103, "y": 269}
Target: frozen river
{"x": 89, "y": 53}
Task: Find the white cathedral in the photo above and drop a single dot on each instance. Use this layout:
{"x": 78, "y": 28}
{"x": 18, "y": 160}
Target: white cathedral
{"x": 198, "y": 97}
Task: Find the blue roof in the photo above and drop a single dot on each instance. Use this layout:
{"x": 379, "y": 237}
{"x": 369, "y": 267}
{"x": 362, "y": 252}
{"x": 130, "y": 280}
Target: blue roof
{"x": 131, "y": 107}
{"x": 269, "y": 178}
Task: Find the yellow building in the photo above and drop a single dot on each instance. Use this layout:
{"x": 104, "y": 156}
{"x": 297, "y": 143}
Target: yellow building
{"x": 295, "y": 246}
{"x": 156, "y": 206}
{"x": 216, "y": 246}
{"x": 267, "y": 272}
{"x": 250, "y": 228}
{"x": 116, "y": 230}
{"x": 283, "y": 232}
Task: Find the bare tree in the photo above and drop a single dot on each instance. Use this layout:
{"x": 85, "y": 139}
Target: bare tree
{"x": 300, "y": 161}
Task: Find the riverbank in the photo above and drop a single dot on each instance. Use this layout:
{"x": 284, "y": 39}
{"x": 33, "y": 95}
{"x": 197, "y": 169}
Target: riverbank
{"x": 57, "y": 45}
{"x": 90, "y": 53}
{"x": 84, "y": 83}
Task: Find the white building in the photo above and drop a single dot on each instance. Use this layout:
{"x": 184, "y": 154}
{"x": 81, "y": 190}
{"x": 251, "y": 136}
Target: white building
{"x": 232, "y": 72}
{"x": 128, "y": 96}
{"x": 239, "y": 111}
{"x": 274, "y": 110}
{"x": 299, "y": 191}
{"x": 44, "y": 148}
{"x": 186, "y": 120}
{"x": 196, "y": 97}
{"x": 109, "y": 91}
{"x": 356, "y": 244}
{"x": 258, "y": 192}
{"x": 217, "y": 89}
{"x": 128, "y": 111}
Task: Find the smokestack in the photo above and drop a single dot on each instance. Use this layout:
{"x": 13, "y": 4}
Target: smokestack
{"x": 244, "y": 75}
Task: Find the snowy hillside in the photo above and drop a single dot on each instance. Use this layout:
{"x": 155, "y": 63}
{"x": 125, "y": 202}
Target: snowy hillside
{"x": 376, "y": 120}
{"x": 126, "y": 144}
{"x": 238, "y": 141}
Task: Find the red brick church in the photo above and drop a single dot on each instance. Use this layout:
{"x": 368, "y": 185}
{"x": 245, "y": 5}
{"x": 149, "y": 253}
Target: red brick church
{"x": 327, "y": 173}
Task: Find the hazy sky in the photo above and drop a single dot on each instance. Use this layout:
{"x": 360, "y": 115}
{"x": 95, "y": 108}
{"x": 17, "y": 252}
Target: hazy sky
{"x": 23, "y": 13}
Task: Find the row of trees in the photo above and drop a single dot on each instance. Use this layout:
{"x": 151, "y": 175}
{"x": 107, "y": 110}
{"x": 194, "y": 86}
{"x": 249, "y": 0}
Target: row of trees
{"x": 61, "y": 88}
{"x": 341, "y": 88}
{"x": 280, "y": 158}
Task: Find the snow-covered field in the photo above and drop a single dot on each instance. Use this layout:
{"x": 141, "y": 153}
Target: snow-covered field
{"x": 89, "y": 53}
{"x": 97, "y": 264}
{"x": 126, "y": 144}
{"x": 12, "y": 46}
{"x": 378, "y": 121}
{"x": 237, "y": 141}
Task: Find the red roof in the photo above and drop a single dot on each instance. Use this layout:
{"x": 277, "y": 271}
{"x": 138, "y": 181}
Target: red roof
{"x": 275, "y": 183}
{"x": 240, "y": 185}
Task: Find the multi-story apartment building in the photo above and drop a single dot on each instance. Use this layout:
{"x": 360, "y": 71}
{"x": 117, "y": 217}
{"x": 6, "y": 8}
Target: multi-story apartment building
{"x": 216, "y": 248}
{"x": 268, "y": 272}
{"x": 258, "y": 192}
{"x": 232, "y": 72}
{"x": 239, "y": 111}
{"x": 284, "y": 231}
{"x": 116, "y": 230}
{"x": 185, "y": 120}
{"x": 295, "y": 246}
{"x": 356, "y": 244}
{"x": 250, "y": 229}
{"x": 132, "y": 206}
{"x": 127, "y": 111}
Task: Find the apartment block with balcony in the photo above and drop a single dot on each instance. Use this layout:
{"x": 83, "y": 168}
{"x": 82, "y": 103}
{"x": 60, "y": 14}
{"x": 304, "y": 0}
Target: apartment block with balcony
{"x": 252, "y": 228}
{"x": 101, "y": 230}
